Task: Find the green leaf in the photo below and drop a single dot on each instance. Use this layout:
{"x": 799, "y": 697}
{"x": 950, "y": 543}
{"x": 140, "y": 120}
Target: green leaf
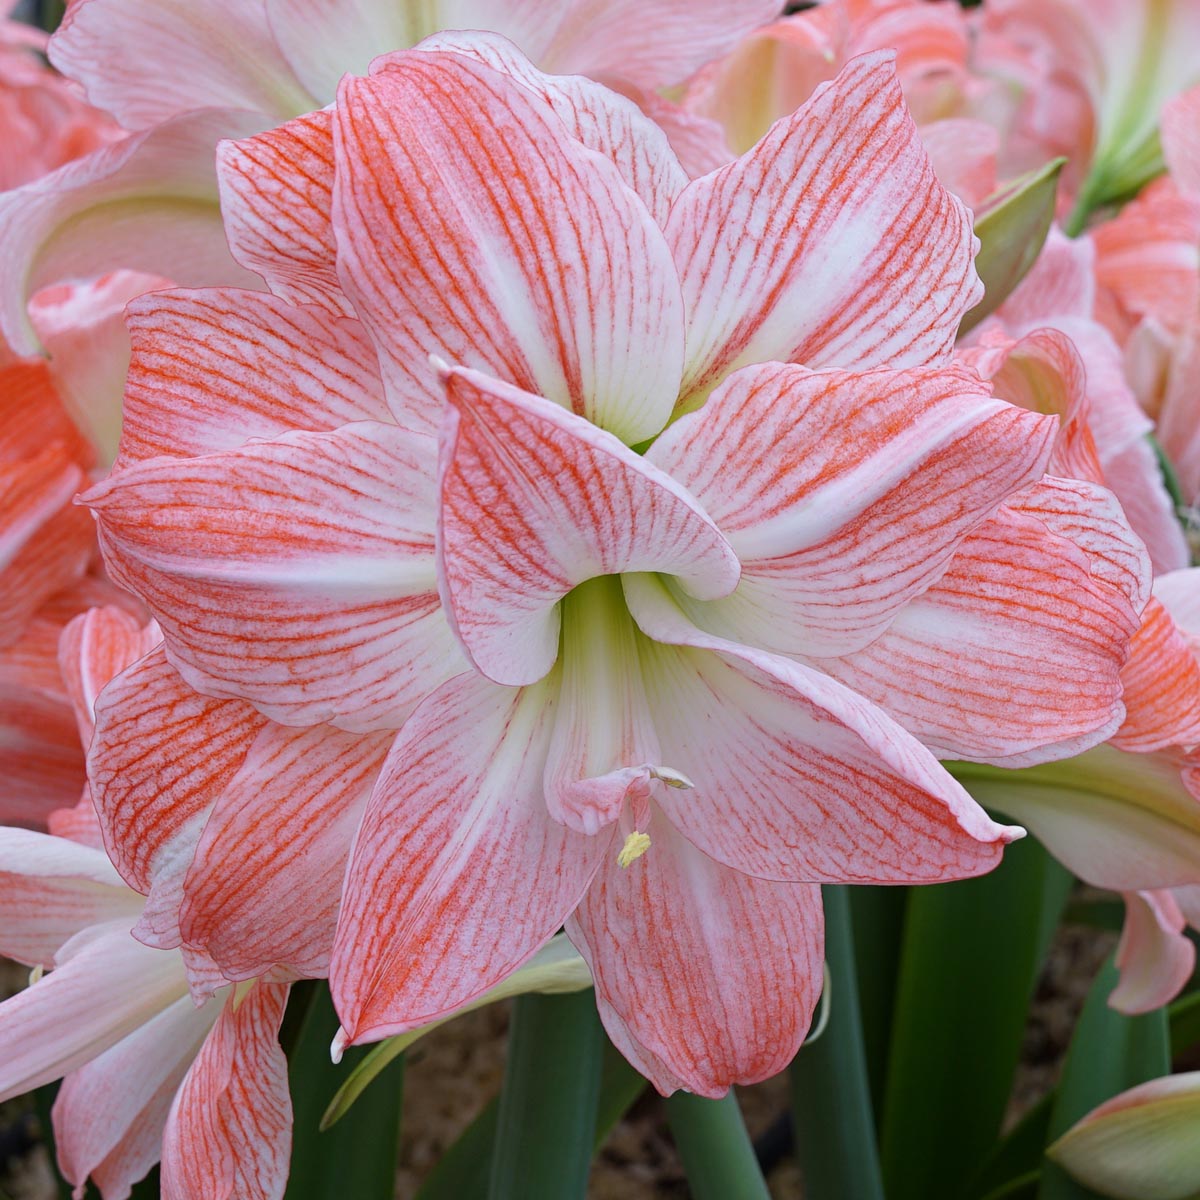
{"x": 358, "y": 1157}
{"x": 1184, "y": 1023}
{"x": 1024, "y": 1187}
{"x": 971, "y": 956}
{"x": 831, "y": 1097}
{"x": 1018, "y": 1155}
{"x": 547, "y": 1119}
{"x": 1012, "y": 226}
{"x": 878, "y": 918}
{"x": 555, "y": 969}
{"x": 718, "y": 1158}
{"x": 462, "y": 1172}
{"x": 1109, "y": 1053}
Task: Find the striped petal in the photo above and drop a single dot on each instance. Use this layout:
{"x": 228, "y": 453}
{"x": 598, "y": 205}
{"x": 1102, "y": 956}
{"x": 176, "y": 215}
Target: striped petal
{"x": 266, "y": 880}
{"x": 148, "y": 203}
{"x": 82, "y": 326}
{"x": 668, "y": 940}
{"x": 1161, "y": 686}
{"x": 297, "y": 574}
{"x": 458, "y": 838}
{"x": 44, "y": 546}
{"x": 213, "y": 368}
{"x": 277, "y": 198}
{"x": 229, "y": 1132}
{"x": 600, "y": 118}
{"x": 851, "y": 254}
{"x": 470, "y": 225}
{"x": 535, "y": 501}
{"x": 1013, "y": 656}
{"x": 794, "y": 776}
{"x": 844, "y": 495}
{"x": 219, "y": 54}
{"x": 93, "y": 648}
{"x": 105, "y": 986}
{"x": 161, "y": 756}
{"x": 109, "y": 1113}
{"x": 51, "y": 890}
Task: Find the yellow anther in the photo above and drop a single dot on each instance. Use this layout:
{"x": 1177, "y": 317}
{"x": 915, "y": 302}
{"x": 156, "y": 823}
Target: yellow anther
{"x": 36, "y": 974}
{"x": 636, "y": 844}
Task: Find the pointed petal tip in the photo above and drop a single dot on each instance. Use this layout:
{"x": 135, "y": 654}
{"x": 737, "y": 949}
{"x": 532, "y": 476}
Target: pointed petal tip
{"x": 337, "y": 1047}
{"x": 442, "y": 368}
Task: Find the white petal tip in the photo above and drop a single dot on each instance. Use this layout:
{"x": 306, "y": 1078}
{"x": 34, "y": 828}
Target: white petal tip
{"x": 441, "y": 366}
{"x": 338, "y": 1046}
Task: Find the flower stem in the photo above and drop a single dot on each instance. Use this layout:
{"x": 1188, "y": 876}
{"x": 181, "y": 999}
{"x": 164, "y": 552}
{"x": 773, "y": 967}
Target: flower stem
{"x": 718, "y": 1158}
{"x": 547, "y": 1117}
{"x": 831, "y": 1096}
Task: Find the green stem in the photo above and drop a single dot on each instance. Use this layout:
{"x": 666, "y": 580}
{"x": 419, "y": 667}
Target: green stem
{"x": 547, "y": 1115}
{"x": 831, "y": 1097}
{"x": 718, "y": 1158}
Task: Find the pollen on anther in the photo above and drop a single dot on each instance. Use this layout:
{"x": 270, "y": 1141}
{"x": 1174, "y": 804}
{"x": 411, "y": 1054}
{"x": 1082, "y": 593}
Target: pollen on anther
{"x": 636, "y": 844}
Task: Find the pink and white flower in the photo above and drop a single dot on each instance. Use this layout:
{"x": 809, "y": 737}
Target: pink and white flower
{"x": 615, "y": 672}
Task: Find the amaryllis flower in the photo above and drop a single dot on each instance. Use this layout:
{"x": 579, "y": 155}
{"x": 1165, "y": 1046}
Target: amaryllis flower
{"x": 149, "y": 1070}
{"x": 684, "y": 453}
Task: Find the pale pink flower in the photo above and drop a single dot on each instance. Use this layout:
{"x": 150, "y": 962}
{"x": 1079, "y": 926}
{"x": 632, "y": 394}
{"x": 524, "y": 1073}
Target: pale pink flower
{"x": 616, "y": 674}
{"x": 148, "y": 1069}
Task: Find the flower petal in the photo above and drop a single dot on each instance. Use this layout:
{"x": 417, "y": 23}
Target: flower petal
{"x": 1140, "y": 1145}
{"x": 534, "y": 501}
{"x": 57, "y": 1024}
{"x": 1181, "y": 141}
{"x": 266, "y": 880}
{"x": 297, "y": 574}
{"x": 213, "y": 368}
{"x": 1013, "y": 656}
{"x": 794, "y": 776}
{"x": 277, "y": 197}
{"x": 600, "y": 118}
{"x": 470, "y": 224}
{"x": 110, "y": 1112}
{"x": 844, "y": 495}
{"x": 457, "y": 836}
{"x": 53, "y": 888}
{"x": 1155, "y": 956}
{"x": 94, "y": 647}
{"x": 161, "y": 756}
{"x": 229, "y": 1132}
{"x": 148, "y": 203}
{"x": 851, "y": 254}
{"x": 1161, "y": 686}
{"x": 675, "y": 945}
{"x": 219, "y": 54}
{"x": 1118, "y": 821}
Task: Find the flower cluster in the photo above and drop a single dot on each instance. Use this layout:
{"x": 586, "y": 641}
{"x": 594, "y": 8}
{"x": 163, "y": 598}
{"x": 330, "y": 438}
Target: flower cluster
{"x": 472, "y": 473}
